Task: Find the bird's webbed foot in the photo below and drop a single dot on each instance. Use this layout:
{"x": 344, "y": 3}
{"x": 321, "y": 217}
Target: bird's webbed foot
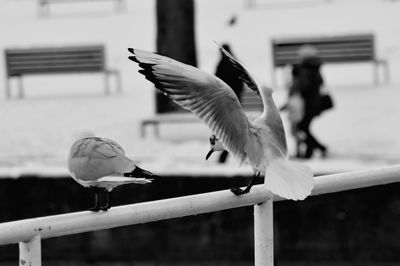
{"x": 107, "y": 204}
{"x": 97, "y": 199}
{"x": 96, "y": 206}
{"x": 95, "y": 209}
{"x": 238, "y": 191}
{"x": 105, "y": 208}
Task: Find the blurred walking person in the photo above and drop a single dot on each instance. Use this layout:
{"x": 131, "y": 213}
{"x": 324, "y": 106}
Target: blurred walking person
{"x": 307, "y": 82}
{"x": 295, "y": 110}
{"x": 227, "y": 73}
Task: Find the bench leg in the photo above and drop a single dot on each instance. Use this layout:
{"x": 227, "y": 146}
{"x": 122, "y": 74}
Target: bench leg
{"x": 106, "y": 83}
{"x": 8, "y": 88}
{"x": 118, "y": 81}
{"x": 44, "y": 9}
{"x": 117, "y": 77}
{"x": 156, "y": 130}
{"x": 386, "y": 70}
{"x": 251, "y": 3}
{"x": 120, "y": 6}
{"x": 376, "y": 73}
{"x": 21, "y": 88}
{"x": 143, "y": 129}
{"x": 273, "y": 78}
{"x": 385, "y": 66}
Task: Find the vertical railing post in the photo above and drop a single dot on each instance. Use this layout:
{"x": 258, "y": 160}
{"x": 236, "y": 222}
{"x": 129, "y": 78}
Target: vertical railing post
{"x": 30, "y": 252}
{"x": 263, "y": 234}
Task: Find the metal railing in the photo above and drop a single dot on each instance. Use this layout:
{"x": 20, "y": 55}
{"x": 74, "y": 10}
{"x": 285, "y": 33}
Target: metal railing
{"x": 28, "y": 233}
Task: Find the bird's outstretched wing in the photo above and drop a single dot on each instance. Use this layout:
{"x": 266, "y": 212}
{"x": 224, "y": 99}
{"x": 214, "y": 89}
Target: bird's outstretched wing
{"x": 241, "y": 71}
{"x": 208, "y": 97}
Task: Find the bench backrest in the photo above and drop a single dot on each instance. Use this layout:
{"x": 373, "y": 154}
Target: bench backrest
{"x": 55, "y": 60}
{"x": 332, "y": 49}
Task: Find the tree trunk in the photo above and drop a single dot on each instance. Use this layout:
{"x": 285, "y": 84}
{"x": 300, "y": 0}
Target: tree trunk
{"x": 175, "y": 39}
{"x": 175, "y": 30}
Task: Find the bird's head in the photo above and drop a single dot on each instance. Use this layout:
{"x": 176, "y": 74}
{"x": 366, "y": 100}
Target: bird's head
{"x": 84, "y": 134}
{"x": 215, "y": 145}
{"x": 267, "y": 91}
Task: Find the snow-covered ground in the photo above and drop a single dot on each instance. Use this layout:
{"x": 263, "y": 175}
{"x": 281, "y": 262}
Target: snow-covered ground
{"x": 37, "y": 131}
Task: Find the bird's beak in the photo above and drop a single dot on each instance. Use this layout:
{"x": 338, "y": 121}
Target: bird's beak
{"x": 209, "y": 153}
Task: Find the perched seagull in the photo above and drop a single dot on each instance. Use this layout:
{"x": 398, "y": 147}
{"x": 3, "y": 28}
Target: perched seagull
{"x": 101, "y": 164}
{"x": 261, "y": 142}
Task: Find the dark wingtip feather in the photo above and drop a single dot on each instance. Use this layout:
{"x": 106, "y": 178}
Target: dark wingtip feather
{"x": 146, "y": 66}
{"x": 133, "y": 58}
{"x": 148, "y": 74}
{"x": 147, "y": 69}
{"x": 142, "y": 71}
{"x": 140, "y": 173}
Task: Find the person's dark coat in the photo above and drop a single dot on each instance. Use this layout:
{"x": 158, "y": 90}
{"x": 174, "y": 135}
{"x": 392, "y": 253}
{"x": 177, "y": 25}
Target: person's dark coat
{"x": 307, "y": 81}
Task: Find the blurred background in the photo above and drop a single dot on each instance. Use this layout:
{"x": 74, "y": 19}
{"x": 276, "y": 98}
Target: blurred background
{"x": 360, "y": 131}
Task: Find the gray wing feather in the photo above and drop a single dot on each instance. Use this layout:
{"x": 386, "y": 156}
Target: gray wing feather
{"x": 241, "y": 71}
{"x": 95, "y": 147}
{"x": 105, "y": 156}
{"x": 208, "y": 97}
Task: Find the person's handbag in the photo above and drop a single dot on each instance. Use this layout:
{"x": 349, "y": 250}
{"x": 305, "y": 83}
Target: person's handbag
{"x": 326, "y": 102}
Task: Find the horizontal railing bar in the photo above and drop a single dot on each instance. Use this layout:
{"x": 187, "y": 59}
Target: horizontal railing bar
{"x": 357, "y": 179}
{"x": 353, "y": 180}
{"x": 79, "y": 222}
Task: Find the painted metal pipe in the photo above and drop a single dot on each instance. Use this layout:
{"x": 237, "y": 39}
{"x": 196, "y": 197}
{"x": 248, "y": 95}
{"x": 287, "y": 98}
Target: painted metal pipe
{"x": 79, "y": 222}
{"x": 30, "y": 252}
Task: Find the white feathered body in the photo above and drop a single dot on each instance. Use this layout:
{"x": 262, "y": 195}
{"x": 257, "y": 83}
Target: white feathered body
{"x": 261, "y": 149}
{"x": 99, "y": 162}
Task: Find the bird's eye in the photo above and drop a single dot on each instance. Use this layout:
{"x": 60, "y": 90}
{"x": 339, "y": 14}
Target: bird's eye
{"x": 213, "y": 138}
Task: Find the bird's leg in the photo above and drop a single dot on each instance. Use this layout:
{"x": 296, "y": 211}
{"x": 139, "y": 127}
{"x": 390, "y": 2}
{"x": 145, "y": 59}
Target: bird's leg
{"x": 238, "y": 191}
{"x": 251, "y": 183}
{"x": 96, "y": 207}
{"x": 108, "y": 200}
{"x": 107, "y": 204}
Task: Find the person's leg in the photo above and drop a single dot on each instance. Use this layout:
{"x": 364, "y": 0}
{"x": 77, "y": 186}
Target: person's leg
{"x": 309, "y": 139}
{"x": 299, "y": 138}
{"x": 311, "y": 142}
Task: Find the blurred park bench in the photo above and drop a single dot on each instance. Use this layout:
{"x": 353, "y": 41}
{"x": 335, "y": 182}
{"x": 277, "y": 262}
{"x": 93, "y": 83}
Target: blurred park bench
{"x": 57, "y": 60}
{"x": 352, "y": 48}
{"x": 44, "y": 9}
{"x": 250, "y": 101}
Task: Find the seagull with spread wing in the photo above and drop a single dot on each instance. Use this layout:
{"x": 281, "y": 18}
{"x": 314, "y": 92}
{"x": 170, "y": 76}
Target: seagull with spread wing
{"x": 261, "y": 142}
{"x": 101, "y": 164}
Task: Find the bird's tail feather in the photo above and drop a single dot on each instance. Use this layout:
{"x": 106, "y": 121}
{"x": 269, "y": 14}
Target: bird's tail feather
{"x": 121, "y": 180}
{"x": 140, "y": 173}
{"x": 289, "y": 179}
